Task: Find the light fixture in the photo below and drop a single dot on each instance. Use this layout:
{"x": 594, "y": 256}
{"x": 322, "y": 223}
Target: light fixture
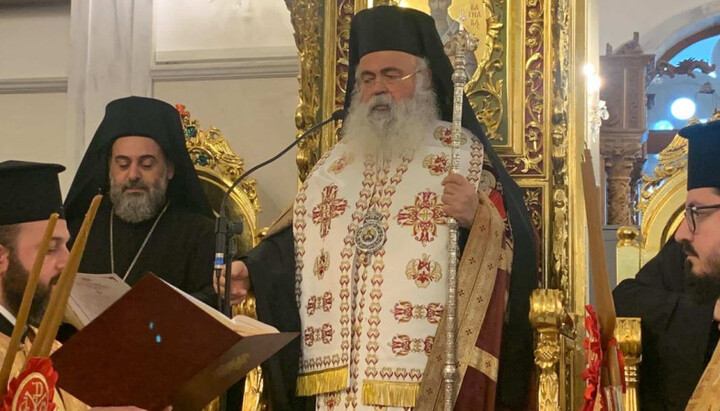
{"x": 593, "y": 83}
{"x": 663, "y": 125}
{"x": 682, "y": 108}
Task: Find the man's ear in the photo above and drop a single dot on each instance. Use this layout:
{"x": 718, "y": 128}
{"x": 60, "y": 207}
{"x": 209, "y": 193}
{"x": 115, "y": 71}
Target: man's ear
{"x": 4, "y": 260}
{"x": 428, "y": 78}
{"x": 170, "y": 170}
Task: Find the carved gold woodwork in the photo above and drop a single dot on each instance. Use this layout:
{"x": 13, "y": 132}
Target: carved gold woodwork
{"x": 546, "y": 315}
{"x": 217, "y": 167}
{"x": 662, "y": 198}
{"x": 306, "y": 22}
{"x": 627, "y": 253}
{"x": 530, "y": 98}
{"x": 628, "y": 336}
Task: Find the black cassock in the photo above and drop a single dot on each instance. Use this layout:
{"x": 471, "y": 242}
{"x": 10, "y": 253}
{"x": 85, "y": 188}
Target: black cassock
{"x": 6, "y": 327}
{"x": 271, "y": 265}
{"x": 678, "y": 332}
{"x": 180, "y": 250}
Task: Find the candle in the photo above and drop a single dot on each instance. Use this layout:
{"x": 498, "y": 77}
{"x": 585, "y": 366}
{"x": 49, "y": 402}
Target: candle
{"x": 27, "y": 299}
{"x": 61, "y": 292}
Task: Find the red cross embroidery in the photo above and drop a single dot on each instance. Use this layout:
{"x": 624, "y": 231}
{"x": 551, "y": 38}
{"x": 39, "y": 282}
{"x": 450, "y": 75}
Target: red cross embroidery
{"x": 424, "y": 216}
{"x": 329, "y": 207}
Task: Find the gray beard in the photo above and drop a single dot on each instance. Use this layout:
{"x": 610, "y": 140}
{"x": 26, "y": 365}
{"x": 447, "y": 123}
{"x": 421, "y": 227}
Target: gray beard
{"x": 395, "y": 131}
{"x": 137, "y": 207}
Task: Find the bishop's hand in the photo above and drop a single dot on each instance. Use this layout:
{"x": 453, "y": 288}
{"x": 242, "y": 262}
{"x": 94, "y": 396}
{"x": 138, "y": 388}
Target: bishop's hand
{"x": 239, "y": 282}
{"x": 460, "y": 199}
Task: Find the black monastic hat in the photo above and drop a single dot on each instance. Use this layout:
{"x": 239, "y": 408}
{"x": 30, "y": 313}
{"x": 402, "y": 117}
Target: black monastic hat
{"x": 414, "y": 32}
{"x": 29, "y": 191}
{"x": 703, "y": 154}
{"x": 137, "y": 116}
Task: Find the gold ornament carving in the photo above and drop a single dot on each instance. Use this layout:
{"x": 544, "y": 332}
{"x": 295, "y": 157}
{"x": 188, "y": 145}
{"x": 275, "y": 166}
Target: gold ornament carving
{"x": 531, "y": 162}
{"x": 559, "y": 132}
{"x": 208, "y": 149}
{"x": 533, "y": 197}
{"x": 628, "y": 236}
{"x": 547, "y": 315}
{"x": 628, "y": 336}
{"x": 485, "y": 88}
{"x": 306, "y": 23}
{"x": 672, "y": 160}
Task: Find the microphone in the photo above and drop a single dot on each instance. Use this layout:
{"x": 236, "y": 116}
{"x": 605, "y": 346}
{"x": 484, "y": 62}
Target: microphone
{"x": 224, "y": 230}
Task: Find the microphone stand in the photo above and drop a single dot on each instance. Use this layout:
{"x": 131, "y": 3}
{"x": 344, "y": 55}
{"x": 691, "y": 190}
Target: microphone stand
{"x": 226, "y": 230}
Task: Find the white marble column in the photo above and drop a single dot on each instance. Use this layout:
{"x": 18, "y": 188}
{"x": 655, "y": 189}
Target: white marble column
{"x": 110, "y": 57}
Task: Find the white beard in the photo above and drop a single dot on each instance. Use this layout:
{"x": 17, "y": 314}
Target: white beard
{"x": 394, "y": 131}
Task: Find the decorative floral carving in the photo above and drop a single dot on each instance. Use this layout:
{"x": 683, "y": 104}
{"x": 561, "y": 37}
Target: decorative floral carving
{"x": 306, "y": 22}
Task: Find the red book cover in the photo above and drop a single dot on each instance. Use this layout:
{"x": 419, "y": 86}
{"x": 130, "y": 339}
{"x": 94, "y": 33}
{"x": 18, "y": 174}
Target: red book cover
{"x": 153, "y": 348}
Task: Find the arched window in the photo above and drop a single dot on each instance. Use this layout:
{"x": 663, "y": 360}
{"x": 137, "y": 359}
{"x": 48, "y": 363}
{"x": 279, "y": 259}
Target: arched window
{"x": 683, "y": 83}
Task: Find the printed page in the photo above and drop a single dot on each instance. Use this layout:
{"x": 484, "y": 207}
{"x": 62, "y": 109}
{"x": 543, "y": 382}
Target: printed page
{"x": 91, "y": 295}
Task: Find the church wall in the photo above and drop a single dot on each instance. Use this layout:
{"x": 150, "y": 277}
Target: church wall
{"x": 234, "y": 65}
{"x": 35, "y": 41}
{"x": 256, "y": 116}
{"x": 33, "y": 78}
{"x": 659, "y": 22}
{"x": 33, "y": 129}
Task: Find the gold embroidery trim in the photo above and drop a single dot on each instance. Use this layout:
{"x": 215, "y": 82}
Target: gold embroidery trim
{"x": 320, "y": 382}
{"x": 484, "y": 362}
{"x": 390, "y": 393}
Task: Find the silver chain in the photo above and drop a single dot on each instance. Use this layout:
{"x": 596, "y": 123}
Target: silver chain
{"x": 147, "y": 237}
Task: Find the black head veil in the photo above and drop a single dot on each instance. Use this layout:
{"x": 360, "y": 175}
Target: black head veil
{"x": 703, "y": 153}
{"x": 137, "y": 116}
{"x": 412, "y": 31}
{"x": 29, "y": 191}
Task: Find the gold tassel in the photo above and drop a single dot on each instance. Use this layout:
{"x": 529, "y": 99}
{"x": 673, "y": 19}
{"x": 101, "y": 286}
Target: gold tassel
{"x": 321, "y": 382}
{"x": 390, "y": 393}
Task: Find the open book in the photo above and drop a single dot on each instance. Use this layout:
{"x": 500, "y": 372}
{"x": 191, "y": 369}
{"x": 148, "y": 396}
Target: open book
{"x": 92, "y": 294}
{"x": 157, "y": 346}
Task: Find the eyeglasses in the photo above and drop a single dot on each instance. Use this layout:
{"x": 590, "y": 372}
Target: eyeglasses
{"x": 386, "y": 79}
{"x": 693, "y": 212}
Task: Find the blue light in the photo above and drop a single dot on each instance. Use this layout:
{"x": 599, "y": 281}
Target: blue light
{"x": 158, "y": 339}
{"x": 663, "y": 125}
{"x": 151, "y": 325}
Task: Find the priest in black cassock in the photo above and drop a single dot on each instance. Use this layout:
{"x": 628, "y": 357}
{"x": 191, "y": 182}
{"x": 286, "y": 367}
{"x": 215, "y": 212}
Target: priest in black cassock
{"x": 358, "y": 267}
{"x": 154, "y": 216}
{"x": 29, "y": 194}
{"x": 676, "y": 293}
